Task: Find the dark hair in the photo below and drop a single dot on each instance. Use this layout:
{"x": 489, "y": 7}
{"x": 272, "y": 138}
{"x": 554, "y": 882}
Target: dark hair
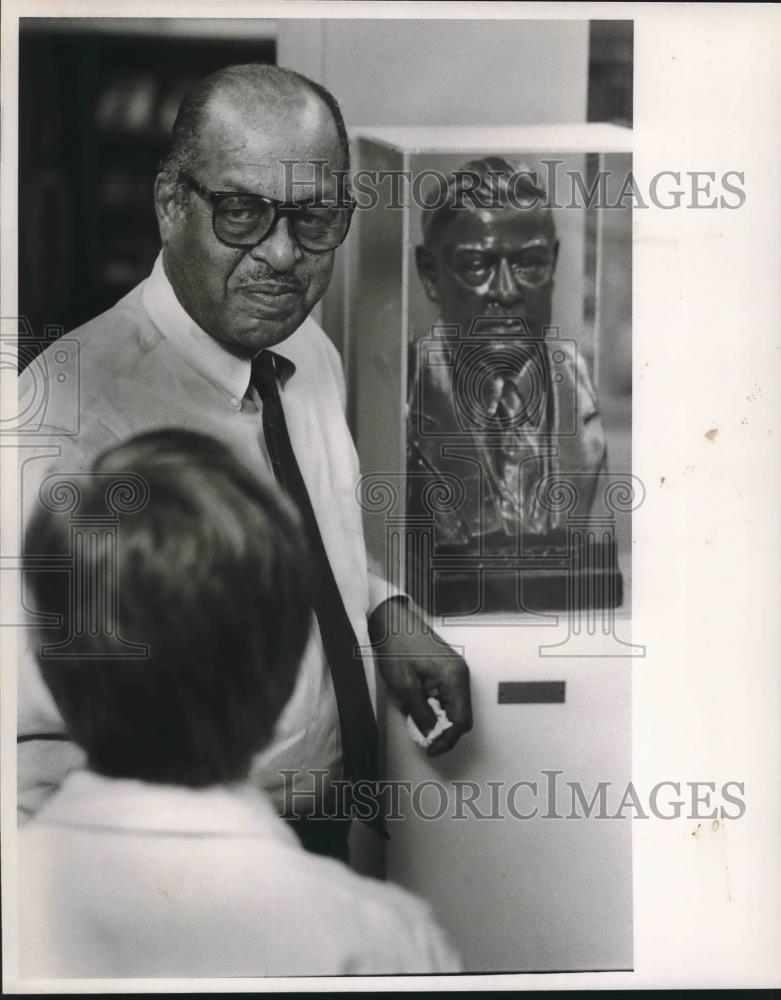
{"x": 492, "y": 182}
{"x": 208, "y": 570}
{"x": 182, "y": 153}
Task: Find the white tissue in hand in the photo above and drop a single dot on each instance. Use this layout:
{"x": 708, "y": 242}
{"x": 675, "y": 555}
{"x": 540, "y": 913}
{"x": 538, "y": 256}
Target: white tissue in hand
{"x": 440, "y": 726}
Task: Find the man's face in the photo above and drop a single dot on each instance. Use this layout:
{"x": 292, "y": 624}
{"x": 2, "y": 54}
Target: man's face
{"x": 496, "y": 263}
{"x": 251, "y": 299}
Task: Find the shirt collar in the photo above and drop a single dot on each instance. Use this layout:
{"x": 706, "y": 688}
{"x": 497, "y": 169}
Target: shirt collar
{"x": 88, "y": 800}
{"x": 283, "y": 366}
{"x": 229, "y": 373}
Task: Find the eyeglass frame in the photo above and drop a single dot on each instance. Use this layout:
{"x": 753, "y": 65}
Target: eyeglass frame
{"x": 281, "y": 208}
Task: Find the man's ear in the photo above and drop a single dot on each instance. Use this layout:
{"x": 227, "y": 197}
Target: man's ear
{"x": 427, "y": 270}
{"x": 167, "y": 207}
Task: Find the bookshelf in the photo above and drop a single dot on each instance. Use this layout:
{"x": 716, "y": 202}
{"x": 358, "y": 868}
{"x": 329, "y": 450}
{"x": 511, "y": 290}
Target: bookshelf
{"x": 97, "y": 98}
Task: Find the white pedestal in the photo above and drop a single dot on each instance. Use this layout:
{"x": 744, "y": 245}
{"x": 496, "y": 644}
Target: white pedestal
{"x": 537, "y": 894}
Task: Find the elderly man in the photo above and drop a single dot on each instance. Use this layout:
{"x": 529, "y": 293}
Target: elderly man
{"x": 218, "y": 339}
{"x": 499, "y": 404}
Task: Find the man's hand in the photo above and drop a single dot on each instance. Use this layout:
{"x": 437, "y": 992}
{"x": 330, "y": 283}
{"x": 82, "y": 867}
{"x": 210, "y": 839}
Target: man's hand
{"x": 416, "y": 665}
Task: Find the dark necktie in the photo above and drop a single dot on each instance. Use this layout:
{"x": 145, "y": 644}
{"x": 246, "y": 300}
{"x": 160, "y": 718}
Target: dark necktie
{"x": 356, "y": 716}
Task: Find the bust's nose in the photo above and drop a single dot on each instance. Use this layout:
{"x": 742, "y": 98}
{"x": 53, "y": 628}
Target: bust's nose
{"x": 504, "y": 289}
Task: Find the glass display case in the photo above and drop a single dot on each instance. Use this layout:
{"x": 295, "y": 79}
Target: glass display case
{"x": 492, "y": 370}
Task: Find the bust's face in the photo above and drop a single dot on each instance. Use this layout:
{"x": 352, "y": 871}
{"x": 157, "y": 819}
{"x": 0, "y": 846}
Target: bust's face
{"x": 496, "y": 263}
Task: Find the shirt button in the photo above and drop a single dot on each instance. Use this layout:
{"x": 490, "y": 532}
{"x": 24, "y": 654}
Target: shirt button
{"x": 236, "y": 402}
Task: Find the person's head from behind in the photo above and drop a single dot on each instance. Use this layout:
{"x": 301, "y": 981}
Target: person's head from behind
{"x": 489, "y": 250}
{"x": 209, "y": 571}
{"x": 245, "y": 138}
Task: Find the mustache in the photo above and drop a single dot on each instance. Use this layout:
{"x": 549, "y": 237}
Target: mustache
{"x": 270, "y": 278}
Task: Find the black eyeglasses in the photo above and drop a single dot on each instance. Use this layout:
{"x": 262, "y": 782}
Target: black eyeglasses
{"x": 244, "y": 220}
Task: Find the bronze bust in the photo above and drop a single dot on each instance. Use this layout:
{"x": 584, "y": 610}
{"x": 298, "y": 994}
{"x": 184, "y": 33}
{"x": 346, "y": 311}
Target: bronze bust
{"x": 502, "y": 410}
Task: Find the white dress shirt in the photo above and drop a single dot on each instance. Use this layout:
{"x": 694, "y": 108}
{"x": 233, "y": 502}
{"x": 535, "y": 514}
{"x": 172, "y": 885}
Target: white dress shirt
{"x": 124, "y": 878}
{"x": 143, "y": 365}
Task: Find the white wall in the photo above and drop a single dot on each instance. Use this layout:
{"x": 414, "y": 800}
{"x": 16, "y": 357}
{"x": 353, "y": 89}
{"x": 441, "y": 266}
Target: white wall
{"x": 438, "y": 72}
{"x": 447, "y": 72}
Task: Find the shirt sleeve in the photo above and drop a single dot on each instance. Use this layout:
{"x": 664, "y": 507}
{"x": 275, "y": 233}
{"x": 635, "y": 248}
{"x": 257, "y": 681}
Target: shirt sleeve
{"x": 44, "y": 755}
{"x": 436, "y": 951}
{"x": 380, "y": 589}
{"x": 399, "y": 935}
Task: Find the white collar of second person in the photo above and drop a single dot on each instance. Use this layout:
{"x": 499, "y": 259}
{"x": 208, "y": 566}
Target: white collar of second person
{"x": 89, "y": 800}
